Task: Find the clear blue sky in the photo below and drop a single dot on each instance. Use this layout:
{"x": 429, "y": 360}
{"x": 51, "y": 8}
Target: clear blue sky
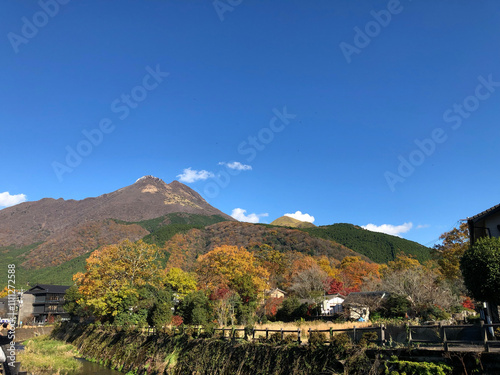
{"x": 319, "y": 103}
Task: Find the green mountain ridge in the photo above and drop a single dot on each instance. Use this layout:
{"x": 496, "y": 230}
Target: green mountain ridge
{"x": 379, "y": 247}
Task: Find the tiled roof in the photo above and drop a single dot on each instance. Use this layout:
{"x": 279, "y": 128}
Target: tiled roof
{"x": 484, "y": 213}
{"x": 58, "y": 289}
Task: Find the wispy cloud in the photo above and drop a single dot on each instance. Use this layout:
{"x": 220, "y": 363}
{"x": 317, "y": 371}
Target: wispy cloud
{"x": 422, "y": 226}
{"x": 301, "y": 216}
{"x": 237, "y": 165}
{"x": 191, "y": 175}
{"x": 7, "y": 200}
{"x": 240, "y": 215}
{"x": 394, "y": 230}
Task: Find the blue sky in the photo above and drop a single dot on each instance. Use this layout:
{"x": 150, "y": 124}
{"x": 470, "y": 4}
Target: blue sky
{"x": 366, "y": 112}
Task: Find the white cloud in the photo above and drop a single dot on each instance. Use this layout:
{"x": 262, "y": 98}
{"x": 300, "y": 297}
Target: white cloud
{"x": 239, "y": 214}
{"x": 394, "y": 230}
{"x": 191, "y": 175}
{"x": 7, "y": 200}
{"x": 422, "y": 226}
{"x": 237, "y": 165}
{"x": 302, "y": 217}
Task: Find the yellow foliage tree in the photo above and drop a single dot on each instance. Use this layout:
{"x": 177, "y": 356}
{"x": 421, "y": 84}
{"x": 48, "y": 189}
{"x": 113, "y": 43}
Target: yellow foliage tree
{"x": 114, "y": 273}
{"x": 181, "y": 282}
{"x": 325, "y": 264}
{"x": 234, "y": 267}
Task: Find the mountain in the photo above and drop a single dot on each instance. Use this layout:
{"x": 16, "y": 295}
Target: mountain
{"x": 50, "y": 239}
{"x": 379, "y": 247}
{"x": 184, "y": 248}
{"x": 287, "y": 221}
{"x": 56, "y": 230}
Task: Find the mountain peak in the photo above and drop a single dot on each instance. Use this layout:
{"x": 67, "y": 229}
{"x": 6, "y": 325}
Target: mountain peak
{"x": 149, "y": 178}
{"x": 287, "y": 221}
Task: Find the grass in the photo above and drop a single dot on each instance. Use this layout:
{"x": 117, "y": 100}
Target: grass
{"x": 43, "y": 355}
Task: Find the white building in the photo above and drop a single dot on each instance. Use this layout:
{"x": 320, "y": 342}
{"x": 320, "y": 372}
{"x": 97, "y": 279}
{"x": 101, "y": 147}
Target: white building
{"x": 332, "y": 304}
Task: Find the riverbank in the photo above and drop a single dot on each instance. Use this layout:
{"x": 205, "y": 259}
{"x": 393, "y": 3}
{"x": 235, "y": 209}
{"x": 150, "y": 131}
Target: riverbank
{"x": 164, "y": 353}
{"x": 45, "y": 355}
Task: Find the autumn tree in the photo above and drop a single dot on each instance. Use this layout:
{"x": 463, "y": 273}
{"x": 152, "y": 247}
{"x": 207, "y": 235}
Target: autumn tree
{"x": 224, "y": 305}
{"x": 273, "y": 261}
{"x": 451, "y": 249}
{"x": 181, "y": 282}
{"x": 114, "y": 274}
{"x": 309, "y": 283}
{"x": 328, "y": 266}
{"x": 234, "y": 267}
{"x": 421, "y": 285}
{"x": 354, "y": 272}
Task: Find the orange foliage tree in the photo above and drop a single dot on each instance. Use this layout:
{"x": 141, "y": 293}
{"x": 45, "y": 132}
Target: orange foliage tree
{"x": 354, "y": 272}
{"x": 234, "y": 267}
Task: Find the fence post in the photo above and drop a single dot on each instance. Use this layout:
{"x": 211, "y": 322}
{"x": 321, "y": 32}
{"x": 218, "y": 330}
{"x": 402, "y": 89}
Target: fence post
{"x": 441, "y": 332}
{"x": 267, "y": 333}
{"x": 485, "y": 337}
{"x": 298, "y": 336}
{"x": 445, "y": 340}
{"x": 408, "y": 330}
{"x": 253, "y": 334}
{"x": 282, "y": 334}
{"x": 354, "y": 334}
{"x": 331, "y": 334}
{"x": 382, "y": 334}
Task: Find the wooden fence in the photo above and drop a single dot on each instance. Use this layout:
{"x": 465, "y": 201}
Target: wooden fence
{"x": 355, "y": 334}
{"x": 433, "y": 335}
{"x": 483, "y": 337}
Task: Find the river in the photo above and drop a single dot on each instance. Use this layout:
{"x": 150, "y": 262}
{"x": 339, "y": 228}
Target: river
{"x": 89, "y": 368}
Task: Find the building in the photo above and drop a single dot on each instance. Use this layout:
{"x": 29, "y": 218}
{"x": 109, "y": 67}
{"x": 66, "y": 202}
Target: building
{"x": 358, "y": 304}
{"x": 43, "y": 303}
{"x": 276, "y": 293}
{"x": 332, "y": 304}
{"x": 486, "y": 224}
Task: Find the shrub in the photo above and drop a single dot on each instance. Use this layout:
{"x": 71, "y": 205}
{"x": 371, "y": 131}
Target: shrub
{"x": 396, "y": 306}
{"x": 434, "y": 313}
{"x": 176, "y": 320}
{"x": 340, "y": 343}
{"x": 317, "y": 338}
{"x": 424, "y": 368}
{"x": 367, "y": 337}
{"x": 290, "y": 339}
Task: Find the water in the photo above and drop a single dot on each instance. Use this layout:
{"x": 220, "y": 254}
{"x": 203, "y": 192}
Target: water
{"x": 90, "y": 368}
